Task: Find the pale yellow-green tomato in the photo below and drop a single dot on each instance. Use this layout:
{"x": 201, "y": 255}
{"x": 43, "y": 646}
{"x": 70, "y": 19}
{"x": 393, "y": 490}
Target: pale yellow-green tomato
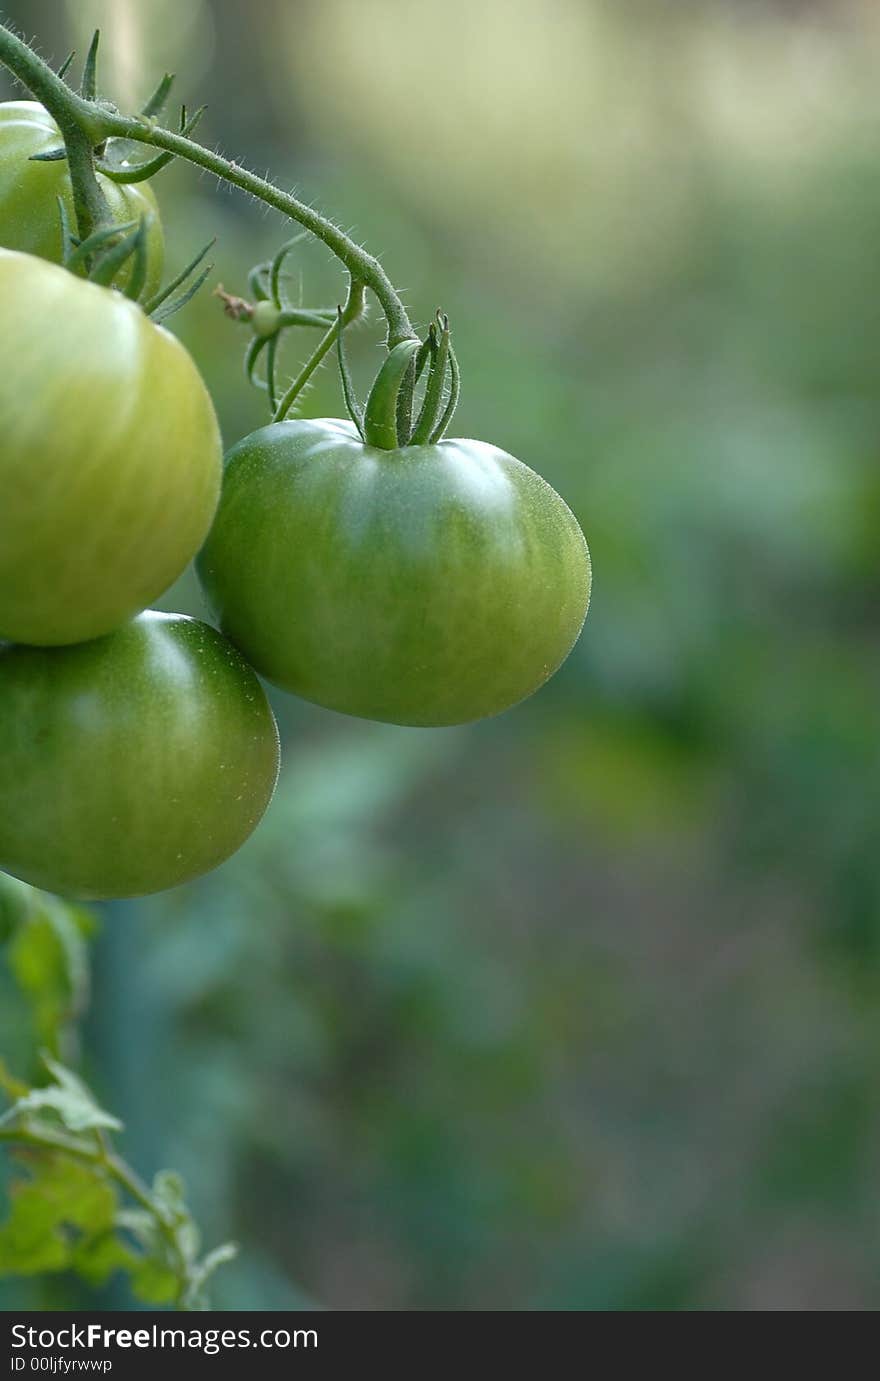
{"x": 29, "y": 192}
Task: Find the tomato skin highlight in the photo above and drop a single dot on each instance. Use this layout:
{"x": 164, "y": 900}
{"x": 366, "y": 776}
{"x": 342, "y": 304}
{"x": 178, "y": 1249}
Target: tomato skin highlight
{"x": 110, "y": 456}
{"x": 29, "y": 192}
{"x": 132, "y": 763}
{"x": 429, "y": 585}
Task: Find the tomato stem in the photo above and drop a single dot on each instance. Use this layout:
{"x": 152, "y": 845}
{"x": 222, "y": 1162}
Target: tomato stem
{"x": 84, "y": 125}
{"x": 433, "y": 401}
{"x": 72, "y": 115}
{"x": 354, "y": 305}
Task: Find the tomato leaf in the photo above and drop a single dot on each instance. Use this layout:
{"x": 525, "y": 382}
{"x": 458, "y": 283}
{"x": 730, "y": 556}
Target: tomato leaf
{"x": 155, "y": 1283}
{"x": 195, "y": 1297}
{"x": 68, "y": 1097}
{"x": 59, "y": 1205}
{"x": 96, "y": 1259}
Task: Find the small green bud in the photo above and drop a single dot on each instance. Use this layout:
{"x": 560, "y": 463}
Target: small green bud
{"x": 266, "y": 319}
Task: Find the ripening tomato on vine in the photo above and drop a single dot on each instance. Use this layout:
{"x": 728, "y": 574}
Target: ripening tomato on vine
{"x": 371, "y": 564}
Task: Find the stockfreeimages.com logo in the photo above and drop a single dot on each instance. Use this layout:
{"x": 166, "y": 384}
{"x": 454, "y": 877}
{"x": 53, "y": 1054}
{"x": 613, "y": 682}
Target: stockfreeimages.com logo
{"x": 95, "y": 1336}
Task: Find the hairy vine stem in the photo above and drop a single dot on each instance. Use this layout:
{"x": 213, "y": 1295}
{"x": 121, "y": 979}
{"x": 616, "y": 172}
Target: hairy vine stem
{"x": 85, "y": 125}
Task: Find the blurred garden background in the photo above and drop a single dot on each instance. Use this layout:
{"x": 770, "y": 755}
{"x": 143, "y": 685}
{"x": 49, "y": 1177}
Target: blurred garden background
{"x": 579, "y": 1008}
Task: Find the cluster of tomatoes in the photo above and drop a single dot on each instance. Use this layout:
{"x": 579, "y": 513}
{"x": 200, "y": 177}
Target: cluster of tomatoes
{"x": 419, "y": 584}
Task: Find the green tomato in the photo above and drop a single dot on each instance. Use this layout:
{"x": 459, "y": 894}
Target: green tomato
{"x": 427, "y": 585}
{"x": 110, "y": 456}
{"x": 131, "y": 763}
{"x": 29, "y": 192}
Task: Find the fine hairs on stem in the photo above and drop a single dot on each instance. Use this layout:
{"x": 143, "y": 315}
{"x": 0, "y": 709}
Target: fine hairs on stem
{"x": 86, "y": 125}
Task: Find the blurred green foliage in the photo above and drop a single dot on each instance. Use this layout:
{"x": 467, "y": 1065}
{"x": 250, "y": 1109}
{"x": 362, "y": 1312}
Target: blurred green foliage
{"x": 73, "y": 1208}
{"x": 575, "y": 1009}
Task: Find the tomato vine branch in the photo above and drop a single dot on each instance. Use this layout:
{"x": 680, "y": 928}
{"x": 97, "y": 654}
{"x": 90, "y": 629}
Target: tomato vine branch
{"x": 71, "y": 114}
{"x": 86, "y": 125}
{"x": 350, "y": 312}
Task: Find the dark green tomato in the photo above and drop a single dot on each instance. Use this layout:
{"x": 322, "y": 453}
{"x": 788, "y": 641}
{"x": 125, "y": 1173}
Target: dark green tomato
{"x": 131, "y": 763}
{"x": 110, "y": 456}
{"x": 29, "y": 192}
{"x": 428, "y": 585}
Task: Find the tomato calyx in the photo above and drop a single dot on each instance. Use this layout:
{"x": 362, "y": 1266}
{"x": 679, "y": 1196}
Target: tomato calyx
{"x": 388, "y": 417}
{"x": 437, "y": 409}
{"x": 50, "y": 156}
{"x": 380, "y": 414}
{"x": 105, "y": 253}
{"x": 394, "y": 415}
{"x": 163, "y": 304}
